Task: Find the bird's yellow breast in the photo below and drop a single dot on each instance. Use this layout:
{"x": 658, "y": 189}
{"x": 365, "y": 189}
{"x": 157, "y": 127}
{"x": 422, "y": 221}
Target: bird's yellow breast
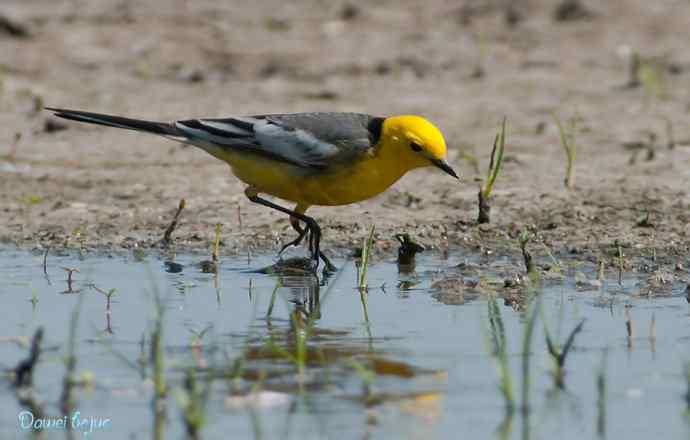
{"x": 338, "y": 185}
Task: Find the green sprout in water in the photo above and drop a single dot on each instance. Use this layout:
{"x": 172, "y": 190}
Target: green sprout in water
{"x": 34, "y": 297}
{"x": 526, "y": 345}
{"x": 559, "y": 353}
{"x": 67, "y": 399}
{"x": 494, "y": 168}
{"x": 366, "y": 254}
{"x": 568, "y": 144}
{"x": 499, "y": 351}
{"x": 192, "y": 399}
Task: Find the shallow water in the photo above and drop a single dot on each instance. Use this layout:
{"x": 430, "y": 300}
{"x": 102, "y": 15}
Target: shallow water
{"x": 418, "y": 369}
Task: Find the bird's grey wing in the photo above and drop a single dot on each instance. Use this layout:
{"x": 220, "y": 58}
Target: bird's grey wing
{"x": 309, "y": 140}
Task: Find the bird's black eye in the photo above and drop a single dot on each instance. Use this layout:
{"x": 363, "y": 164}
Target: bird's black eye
{"x": 415, "y": 147}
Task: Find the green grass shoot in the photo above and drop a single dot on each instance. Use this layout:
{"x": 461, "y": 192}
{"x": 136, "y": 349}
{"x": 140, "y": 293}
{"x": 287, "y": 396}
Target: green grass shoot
{"x": 533, "y": 313}
{"x": 484, "y": 194}
{"x": 499, "y": 352}
{"x": 496, "y": 161}
{"x": 569, "y": 146}
{"x": 559, "y": 353}
{"x": 366, "y": 255}
{"x": 274, "y": 295}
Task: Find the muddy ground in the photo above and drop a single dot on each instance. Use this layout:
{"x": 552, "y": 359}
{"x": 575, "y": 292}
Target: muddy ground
{"x": 462, "y": 64}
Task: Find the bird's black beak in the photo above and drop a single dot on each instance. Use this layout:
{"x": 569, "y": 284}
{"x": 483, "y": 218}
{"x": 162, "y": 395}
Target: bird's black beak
{"x": 441, "y": 163}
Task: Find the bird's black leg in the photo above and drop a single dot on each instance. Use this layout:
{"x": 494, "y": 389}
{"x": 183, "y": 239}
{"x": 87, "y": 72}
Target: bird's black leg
{"x": 311, "y": 226}
{"x": 294, "y": 222}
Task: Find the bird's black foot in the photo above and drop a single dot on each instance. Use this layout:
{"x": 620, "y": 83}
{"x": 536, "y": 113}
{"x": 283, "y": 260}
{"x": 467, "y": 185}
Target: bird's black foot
{"x": 295, "y": 242}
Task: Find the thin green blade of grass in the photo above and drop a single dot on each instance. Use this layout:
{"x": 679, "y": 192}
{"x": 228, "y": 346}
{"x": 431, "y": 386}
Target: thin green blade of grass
{"x": 269, "y": 312}
{"x": 499, "y": 352}
{"x": 526, "y": 346}
{"x": 570, "y": 151}
{"x": 366, "y": 254}
{"x": 496, "y": 161}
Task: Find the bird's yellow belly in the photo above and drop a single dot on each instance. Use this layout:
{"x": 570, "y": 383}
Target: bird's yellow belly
{"x": 351, "y": 184}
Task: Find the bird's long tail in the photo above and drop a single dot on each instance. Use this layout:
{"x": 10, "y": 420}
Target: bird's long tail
{"x": 160, "y": 128}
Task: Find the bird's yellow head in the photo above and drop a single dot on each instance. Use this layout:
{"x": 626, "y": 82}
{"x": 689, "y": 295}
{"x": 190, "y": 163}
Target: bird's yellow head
{"x": 416, "y": 142}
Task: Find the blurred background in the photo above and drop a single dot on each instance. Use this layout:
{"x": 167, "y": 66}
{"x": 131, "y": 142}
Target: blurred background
{"x": 616, "y": 73}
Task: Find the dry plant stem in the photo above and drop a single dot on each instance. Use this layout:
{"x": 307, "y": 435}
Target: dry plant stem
{"x": 652, "y": 334}
{"x": 526, "y": 255}
{"x": 620, "y": 264}
{"x": 171, "y": 228}
{"x": 216, "y": 245}
{"x": 629, "y": 327}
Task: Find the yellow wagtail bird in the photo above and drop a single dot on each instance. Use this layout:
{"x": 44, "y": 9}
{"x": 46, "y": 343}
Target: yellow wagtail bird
{"x": 305, "y": 158}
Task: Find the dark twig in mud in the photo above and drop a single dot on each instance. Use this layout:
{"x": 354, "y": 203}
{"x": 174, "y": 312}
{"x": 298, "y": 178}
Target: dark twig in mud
{"x": 171, "y": 228}
{"x": 570, "y": 10}
{"x": 23, "y": 372}
{"x": 407, "y": 251}
{"x": 568, "y": 144}
{"x": 215, "y": 256}
{"x": 494, "y": 168}
{"x": 634, "y": 71}
{"x": 559, "y": 354}
{"x": 526, "y": 255}
{"x": 70, "y": 272}
{"x": 13, "y": 28}
{"x": 211, "y": 266}
{"x": 671, "y": 140}
{"x": 23, "y": 378}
